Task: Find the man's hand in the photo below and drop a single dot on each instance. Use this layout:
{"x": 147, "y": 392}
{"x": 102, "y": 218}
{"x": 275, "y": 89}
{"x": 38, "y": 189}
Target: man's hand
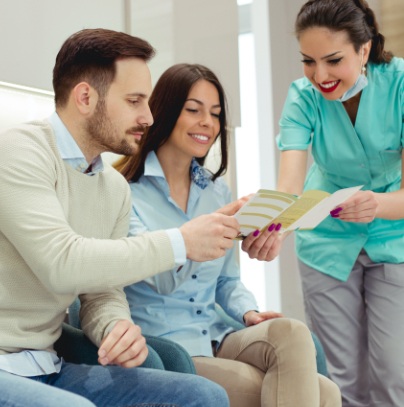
{"x": 232, "y": 207}
{"x": 123, "y": 346}
{"x": 208, "y": 236}
{"x": 254, "y": 318}
{"x": 263, "y": 246}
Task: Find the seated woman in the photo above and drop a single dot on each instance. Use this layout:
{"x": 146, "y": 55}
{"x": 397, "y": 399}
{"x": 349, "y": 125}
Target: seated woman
{"x": 272, "y": 362}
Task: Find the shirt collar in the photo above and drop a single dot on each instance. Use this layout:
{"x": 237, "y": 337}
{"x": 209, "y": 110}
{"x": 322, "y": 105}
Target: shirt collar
{"x": 70, "y": 151}
{"x": 200, "y": 176}
{"x": 152, "y": 167}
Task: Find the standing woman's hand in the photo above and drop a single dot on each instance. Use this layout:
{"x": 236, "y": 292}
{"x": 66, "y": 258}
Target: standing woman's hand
{"x": 361, "y": 207}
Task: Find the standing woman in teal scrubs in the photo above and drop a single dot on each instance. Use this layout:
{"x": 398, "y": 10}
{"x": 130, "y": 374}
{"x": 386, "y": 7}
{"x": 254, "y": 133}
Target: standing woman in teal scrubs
{"x": 349, "y": 108}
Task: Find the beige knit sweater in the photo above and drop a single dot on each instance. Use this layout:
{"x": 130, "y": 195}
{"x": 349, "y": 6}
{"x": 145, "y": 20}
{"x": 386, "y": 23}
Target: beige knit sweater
{"x": 63, "y": 233}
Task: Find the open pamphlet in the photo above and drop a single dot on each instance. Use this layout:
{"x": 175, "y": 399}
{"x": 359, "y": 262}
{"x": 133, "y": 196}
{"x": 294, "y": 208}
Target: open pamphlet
{"x": 293, "y": 212}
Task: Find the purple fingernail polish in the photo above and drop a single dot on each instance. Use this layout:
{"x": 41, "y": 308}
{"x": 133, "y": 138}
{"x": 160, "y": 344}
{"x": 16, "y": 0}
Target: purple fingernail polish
{"x": 335, "y": 215}
{"x": 335, "y": 211}
{"x": 278, "y": 226}
{"x": 256, "y": 233}
{"x": 271, "y": 227}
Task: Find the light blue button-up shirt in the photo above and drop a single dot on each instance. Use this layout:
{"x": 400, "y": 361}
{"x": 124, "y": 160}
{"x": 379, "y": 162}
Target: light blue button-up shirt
{"x": 34, "y": 362}
{"x": 180, "y": 304}
{"x": 346, "y": 155}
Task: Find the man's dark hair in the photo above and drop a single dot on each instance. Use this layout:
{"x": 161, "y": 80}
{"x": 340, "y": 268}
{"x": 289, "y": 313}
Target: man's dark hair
{"x": 90, "y": 55}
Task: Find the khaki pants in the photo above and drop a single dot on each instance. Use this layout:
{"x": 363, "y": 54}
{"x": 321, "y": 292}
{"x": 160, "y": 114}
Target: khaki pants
{"x": 271, "y": 364}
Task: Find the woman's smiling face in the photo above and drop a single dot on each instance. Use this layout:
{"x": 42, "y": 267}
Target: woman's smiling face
{"x": 330, "y": 61}
{"x": 198, "y": 125}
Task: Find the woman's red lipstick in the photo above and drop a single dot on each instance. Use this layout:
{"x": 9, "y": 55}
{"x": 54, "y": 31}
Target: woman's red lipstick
{"x": 328, "y": 89}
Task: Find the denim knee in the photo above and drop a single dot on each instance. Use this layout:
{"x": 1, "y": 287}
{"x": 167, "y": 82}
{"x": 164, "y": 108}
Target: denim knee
{"x": 206, "y": 393}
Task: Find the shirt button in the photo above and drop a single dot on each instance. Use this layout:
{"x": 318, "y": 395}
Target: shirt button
{"x": 194, "y": 276}
{"x": 204, "y": 331}
{"x": 191, "y": 299}
{"x": 199, "y": 312}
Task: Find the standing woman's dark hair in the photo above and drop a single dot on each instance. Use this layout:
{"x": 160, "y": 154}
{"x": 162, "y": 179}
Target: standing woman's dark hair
{"x": 166, "y": 103}
{"x": 352, "y": 16}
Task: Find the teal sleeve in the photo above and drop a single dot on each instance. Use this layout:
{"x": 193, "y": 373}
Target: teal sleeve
{"x": 402, "y": 115}
{"x": 297, "y": 119}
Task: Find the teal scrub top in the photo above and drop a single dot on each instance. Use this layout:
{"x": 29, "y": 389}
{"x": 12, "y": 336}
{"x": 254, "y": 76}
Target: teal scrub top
{"x": 345, "y": 155}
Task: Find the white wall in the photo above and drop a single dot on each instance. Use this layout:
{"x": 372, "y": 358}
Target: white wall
{"x": 32, "y": 32}
{"x": 285, "y": 67}
{"x": 192, "y": 31}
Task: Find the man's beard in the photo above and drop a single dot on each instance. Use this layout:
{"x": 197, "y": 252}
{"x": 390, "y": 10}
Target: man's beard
{"x": 103, "y": 133}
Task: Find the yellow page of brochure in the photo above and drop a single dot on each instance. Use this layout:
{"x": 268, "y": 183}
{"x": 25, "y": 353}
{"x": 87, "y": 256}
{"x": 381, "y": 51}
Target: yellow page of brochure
{"x": 304, "y": 212}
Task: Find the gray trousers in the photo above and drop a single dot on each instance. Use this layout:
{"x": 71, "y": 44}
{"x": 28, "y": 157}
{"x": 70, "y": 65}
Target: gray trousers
{"x": 360, "y": 323}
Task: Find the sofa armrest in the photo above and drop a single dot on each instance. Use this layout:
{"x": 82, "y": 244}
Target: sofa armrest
{"x": 175, "y": 358}
{"x": 74, "y": 347}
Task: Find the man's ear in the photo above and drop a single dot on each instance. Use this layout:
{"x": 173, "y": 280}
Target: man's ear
{"x": 85, "y": 98}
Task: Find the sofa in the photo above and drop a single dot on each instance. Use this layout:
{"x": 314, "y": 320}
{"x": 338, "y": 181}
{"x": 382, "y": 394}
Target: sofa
{"x": 165, "y": 354}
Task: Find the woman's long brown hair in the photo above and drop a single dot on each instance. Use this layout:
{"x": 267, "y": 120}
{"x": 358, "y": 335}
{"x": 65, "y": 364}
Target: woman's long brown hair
{"x": 166, "y": 103}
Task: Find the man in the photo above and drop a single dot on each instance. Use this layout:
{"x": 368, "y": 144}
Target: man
{"x": 64, "y": 218}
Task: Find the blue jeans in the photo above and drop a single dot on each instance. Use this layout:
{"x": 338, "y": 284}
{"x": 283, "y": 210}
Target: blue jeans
{"x": 16, "y": 391}
{"x": 113, "y": 386}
